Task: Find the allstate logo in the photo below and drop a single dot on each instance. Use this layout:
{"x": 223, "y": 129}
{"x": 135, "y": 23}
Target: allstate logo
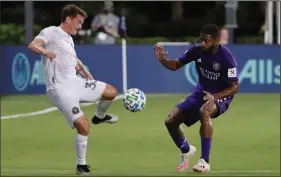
{"x": 191, "y": 73}
{"x": 20, "y": 72}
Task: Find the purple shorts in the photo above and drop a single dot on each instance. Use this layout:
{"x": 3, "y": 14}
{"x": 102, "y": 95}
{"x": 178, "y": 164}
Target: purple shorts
{"x": 190, "y": 107}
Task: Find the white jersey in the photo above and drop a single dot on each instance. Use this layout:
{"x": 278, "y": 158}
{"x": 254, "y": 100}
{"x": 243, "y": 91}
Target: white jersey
{"x": 60, "y": 73}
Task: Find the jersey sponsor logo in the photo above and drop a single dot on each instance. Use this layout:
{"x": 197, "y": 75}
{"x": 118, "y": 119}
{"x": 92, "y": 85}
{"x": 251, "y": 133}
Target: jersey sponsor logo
{"x": 20, "y": 72}
{"x": 232, "y": 72}
{"x": 209, "y": 74}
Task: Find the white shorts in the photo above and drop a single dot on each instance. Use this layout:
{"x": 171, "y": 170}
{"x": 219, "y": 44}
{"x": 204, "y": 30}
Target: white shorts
{"x": 68, "y": 102}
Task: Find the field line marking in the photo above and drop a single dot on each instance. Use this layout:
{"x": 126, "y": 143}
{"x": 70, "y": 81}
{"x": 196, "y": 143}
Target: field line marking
{"x": 47, "y": 110}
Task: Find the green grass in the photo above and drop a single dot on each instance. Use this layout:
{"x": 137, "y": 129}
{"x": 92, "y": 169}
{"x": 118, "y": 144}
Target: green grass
{"x": 246, "y": 139}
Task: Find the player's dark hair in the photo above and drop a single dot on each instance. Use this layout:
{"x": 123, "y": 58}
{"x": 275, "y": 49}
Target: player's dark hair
{"x": 211, "y": 29}
{"x": 72, "y": 11}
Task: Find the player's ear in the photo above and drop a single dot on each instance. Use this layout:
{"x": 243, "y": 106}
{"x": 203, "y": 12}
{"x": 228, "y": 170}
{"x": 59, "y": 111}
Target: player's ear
{"x": 67, "y": 19}
{"x": 217, "y": 39}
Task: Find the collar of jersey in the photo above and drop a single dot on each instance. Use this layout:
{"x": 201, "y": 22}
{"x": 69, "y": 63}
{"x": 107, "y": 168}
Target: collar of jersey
{"x": 63, "y": 32}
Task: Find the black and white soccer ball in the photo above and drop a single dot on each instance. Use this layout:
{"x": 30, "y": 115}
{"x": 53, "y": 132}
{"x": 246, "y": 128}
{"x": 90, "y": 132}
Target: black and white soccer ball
{"x": 134, "y": 100}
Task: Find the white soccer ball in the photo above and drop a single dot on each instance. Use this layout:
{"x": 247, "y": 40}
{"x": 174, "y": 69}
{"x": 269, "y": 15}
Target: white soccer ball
{"x": 134, "y": 100}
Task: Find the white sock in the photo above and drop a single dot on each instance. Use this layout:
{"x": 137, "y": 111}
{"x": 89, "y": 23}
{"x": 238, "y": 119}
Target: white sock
{"x": 81, "y": 149}
{"x": 102, "y": 106}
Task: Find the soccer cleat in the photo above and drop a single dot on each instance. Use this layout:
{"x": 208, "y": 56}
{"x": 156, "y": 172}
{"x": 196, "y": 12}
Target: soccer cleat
{"x": 201, "y": 166}
{"x": 83, "y": 170}
{"x": 184, "y": 158}
{"x": 108, "y": 118}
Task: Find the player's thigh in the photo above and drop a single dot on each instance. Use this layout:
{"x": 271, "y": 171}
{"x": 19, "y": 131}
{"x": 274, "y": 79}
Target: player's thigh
{"x": 190, "y": 107}
{"x": 68, "y": 103}
{"x": 91, "y": 91}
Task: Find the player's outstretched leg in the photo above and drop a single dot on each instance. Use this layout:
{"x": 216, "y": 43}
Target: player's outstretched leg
{"x": 108, "y": 96}
{"x": 82, "y": 126}
{"x": 206, "y": 132}
{"x": 173, "y": 125}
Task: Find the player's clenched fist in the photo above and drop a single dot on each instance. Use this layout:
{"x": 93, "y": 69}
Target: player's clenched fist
{"x": 50, "y": 55}
{"x": 160, "y": 53}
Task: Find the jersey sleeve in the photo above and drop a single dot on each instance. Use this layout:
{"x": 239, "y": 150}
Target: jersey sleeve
{"x": 189, "y": 55}
{"x": 46, "y": 35}
{"x": 232, "y": 70}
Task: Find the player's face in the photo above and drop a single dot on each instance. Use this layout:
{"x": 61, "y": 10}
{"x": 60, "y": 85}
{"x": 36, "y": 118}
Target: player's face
{"x": 75, "y": 24}
{"x": 208, "y": 42}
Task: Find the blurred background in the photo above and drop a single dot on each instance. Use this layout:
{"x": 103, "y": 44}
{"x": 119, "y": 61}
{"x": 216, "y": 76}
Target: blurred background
{"x": 116, "y": 45}
{"x": 148, "y": 22}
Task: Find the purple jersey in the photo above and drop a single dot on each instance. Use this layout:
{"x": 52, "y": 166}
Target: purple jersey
{"x": 215, "y": 71}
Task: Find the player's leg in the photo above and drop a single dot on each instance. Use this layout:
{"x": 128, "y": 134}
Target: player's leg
{"x": 208, "y": 111}
{"x": 82, "y": 126}
{"x": 101, "y": 93}
{"x": 108, "y": 95}
{"x": 185, "y": 112}
{"x": 68, "y": 104}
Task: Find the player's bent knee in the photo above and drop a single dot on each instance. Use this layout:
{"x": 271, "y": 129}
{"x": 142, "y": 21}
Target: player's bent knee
{"x": 173, "y": 118}
{"x": 82, "y": 125}
{"x": 109, "y": 92}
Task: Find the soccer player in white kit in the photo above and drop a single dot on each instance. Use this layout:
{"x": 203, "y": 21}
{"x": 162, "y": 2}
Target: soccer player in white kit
{"x": 64, "y": 88}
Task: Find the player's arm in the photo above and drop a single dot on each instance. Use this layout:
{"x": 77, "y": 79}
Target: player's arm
{"x": 174, "y": 64}
{"x": 39, "y": 41}
{"x": 162, "y": 56}
{"x": 81, "y": 69}
{"x": 233, "y": 89}
{"x": 232, "y": 78}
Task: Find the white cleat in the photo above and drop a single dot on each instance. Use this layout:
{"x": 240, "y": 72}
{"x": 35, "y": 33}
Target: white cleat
{"x": 184, "y": 159}
{"x": 201, "y": 166}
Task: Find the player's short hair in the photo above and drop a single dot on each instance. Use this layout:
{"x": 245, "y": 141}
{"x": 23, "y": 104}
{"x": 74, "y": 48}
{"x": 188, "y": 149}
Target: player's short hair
{"x": 72, "y": 11}
{"x": 211, "y": 29}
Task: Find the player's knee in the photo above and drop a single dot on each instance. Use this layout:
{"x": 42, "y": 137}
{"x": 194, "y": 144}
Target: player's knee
{"x": 109, "y": 93}
{"x": 83, "y": 131}
{"x": 203, "y": 112}
{"x": 82, "y": 126}
{"x": 205, "y": 117}
{"x": 171, "y": 120}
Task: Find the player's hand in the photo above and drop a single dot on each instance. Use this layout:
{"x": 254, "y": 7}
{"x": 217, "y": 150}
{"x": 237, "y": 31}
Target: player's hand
{"x": 160, "y": 53}
{"x": 88, "y": 76}
{"x": 208, "y": 97}
{"x": 50, "y": 55}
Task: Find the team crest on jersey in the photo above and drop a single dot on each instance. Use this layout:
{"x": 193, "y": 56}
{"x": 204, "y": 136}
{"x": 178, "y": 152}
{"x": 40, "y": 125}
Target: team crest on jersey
{"x": 75, "y": 110}
{"x": 216, "y": 66}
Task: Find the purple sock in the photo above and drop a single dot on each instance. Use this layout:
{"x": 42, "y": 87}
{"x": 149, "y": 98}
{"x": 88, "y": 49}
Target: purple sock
{"x": 205, "y": 148}
{"x": 182, "y": 144}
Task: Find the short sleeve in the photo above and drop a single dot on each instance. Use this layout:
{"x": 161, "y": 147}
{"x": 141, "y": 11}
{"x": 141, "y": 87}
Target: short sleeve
{"x": 189, "y": 55}
{"x": 232, "y": 70}
{"x": 46, "y": 35}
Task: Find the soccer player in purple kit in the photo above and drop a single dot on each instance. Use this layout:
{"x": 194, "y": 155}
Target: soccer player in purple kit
{"x": 218, "y": 82}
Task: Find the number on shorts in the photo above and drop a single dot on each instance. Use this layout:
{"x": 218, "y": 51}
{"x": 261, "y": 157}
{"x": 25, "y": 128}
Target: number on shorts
{"x": 91, "y": 84}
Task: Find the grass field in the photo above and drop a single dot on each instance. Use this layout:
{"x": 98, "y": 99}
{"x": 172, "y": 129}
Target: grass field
{"x": 246, "y": 139}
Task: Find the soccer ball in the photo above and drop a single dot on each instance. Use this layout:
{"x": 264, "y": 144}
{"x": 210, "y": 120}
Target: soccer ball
{"x": 134, "y": 100}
